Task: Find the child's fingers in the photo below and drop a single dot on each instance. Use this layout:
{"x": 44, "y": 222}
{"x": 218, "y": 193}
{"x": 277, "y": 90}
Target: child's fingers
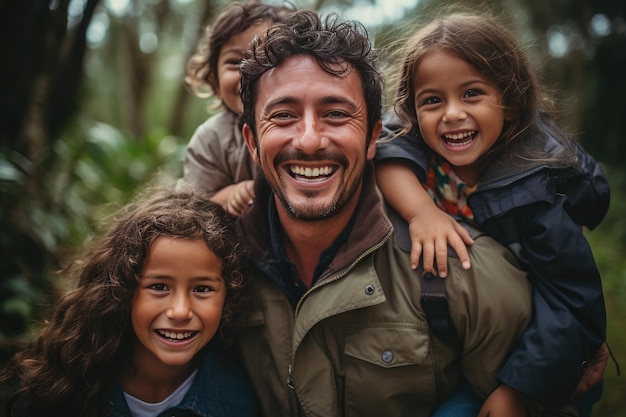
{"x": 231, "y": 207}
{"x": 594, "y": 370}
{"x": 235, "y": 204}
{"x": 441, "y": 251}
{"x": 463, "y": 233}
{"x": 248, "y": 192}
{"x": 247, "y": 197}
{"x": 458, "y": 242}
{"x": 241, "y": 198}
{"x": 428, "y": 258}
{"x": 416, "y": 253}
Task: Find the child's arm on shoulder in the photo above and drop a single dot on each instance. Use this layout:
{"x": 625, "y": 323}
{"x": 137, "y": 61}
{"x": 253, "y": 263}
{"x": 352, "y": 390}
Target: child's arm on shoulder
{"x": 235, "y": 198}
{"x": 431, "y": 229}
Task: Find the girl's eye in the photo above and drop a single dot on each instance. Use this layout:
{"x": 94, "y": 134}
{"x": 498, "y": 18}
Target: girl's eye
{"x": 203, "y": 288}
{"x": 158, "y": 287}
{"x": 472, "y": 93}
{"x": 431, "y": 100}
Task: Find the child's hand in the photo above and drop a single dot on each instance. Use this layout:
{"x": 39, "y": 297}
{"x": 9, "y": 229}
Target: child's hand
{"x": 241, "y": 197}
{"x": 595, "y": 370}
{"x": 504, "y": 401}
{"x": 431, "y": 232}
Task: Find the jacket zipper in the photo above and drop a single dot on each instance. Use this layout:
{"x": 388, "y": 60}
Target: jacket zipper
{"x": 345, "y": 271}
{"x": 292, "y": 393}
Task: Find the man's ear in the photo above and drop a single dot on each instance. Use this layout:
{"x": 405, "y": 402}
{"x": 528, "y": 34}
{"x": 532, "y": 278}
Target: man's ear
{"x": 371, "y": 147}
{"x": 248, "y": 136}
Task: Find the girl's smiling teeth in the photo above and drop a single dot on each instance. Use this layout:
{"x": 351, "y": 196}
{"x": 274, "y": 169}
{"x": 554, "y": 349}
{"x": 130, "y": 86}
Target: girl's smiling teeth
{"x": 459, "y": 139}
{"x": 176, "y": 335}
{"x": 311, "y": 172}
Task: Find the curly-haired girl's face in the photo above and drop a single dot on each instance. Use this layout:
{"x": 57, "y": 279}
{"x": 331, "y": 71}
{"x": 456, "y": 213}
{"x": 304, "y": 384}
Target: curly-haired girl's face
{"x": 178, "y": 303}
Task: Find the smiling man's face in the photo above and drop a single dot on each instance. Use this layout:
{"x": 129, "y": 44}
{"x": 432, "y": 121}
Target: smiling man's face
{"x": 312, "y": 137}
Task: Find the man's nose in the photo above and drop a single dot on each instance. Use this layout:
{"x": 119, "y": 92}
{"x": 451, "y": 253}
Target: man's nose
{"x": 310, "y": 136}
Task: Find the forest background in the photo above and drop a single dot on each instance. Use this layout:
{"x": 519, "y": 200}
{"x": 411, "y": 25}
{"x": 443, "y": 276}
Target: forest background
{"x": 92, "y": 107}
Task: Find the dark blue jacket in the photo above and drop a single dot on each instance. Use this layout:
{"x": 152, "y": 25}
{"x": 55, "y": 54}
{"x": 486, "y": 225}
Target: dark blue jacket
{"x": 220, "y": 389}
{"x": 537, "y": 209}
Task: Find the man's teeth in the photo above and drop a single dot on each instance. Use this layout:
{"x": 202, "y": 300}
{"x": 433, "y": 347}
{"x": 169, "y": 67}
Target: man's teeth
{"x": 457, "y": 136}
{"x": 174, "y": 335}
{"x": 311, "y": 172}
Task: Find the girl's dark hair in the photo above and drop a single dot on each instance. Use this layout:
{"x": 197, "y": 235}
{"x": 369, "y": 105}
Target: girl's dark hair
{"x": 492, "y": 50}
{"x": 72, "y": 364}
{"x": 237, "y": 18}
{"x": 339, "y": 46}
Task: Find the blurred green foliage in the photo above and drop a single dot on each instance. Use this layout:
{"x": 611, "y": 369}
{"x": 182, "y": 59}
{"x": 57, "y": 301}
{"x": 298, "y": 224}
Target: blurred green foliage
{"x": 608, "y": 242}
{"x": 89, "y": 176}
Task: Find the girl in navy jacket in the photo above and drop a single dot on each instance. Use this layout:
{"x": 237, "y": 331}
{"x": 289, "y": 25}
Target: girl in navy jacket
{"x": 472, "y": 135}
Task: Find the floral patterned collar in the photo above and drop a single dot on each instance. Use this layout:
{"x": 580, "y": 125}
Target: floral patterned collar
{"x": 447, "y": 190}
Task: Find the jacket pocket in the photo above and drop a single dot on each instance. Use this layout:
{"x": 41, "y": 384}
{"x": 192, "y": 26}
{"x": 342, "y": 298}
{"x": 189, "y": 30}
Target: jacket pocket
{"x": 390, "y": 371}
{"x": 389, "y": 347}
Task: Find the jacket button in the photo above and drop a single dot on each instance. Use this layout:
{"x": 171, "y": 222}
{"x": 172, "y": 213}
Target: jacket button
{"x": 387, "y": 356}
{"x": 369, "y": 289}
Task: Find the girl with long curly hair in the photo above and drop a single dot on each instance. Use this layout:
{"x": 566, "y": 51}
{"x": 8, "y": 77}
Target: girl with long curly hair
{"x": 145, "y": 329}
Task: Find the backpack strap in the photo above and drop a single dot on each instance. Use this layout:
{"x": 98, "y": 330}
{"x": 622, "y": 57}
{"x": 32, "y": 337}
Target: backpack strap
{"x": 433, "y": 299}
{"x": 435, "y": 304}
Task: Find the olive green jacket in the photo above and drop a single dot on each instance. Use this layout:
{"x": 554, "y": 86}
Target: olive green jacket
{"x": 358, "y": 343}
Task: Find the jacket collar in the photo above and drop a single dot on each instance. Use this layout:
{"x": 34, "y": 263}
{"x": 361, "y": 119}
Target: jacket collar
{"x": 543, "y": 146}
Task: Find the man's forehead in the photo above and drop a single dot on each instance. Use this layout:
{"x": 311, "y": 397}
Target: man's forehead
{"x": 339, "y": 69}
{"x": 298, "y": 72}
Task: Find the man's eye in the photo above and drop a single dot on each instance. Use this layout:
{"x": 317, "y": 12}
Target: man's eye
{"x": 337, "y": 114}
{"x": 281, "y": 115}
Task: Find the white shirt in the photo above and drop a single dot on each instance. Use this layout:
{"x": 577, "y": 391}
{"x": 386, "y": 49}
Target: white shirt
{"x": 143, "y": 409}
